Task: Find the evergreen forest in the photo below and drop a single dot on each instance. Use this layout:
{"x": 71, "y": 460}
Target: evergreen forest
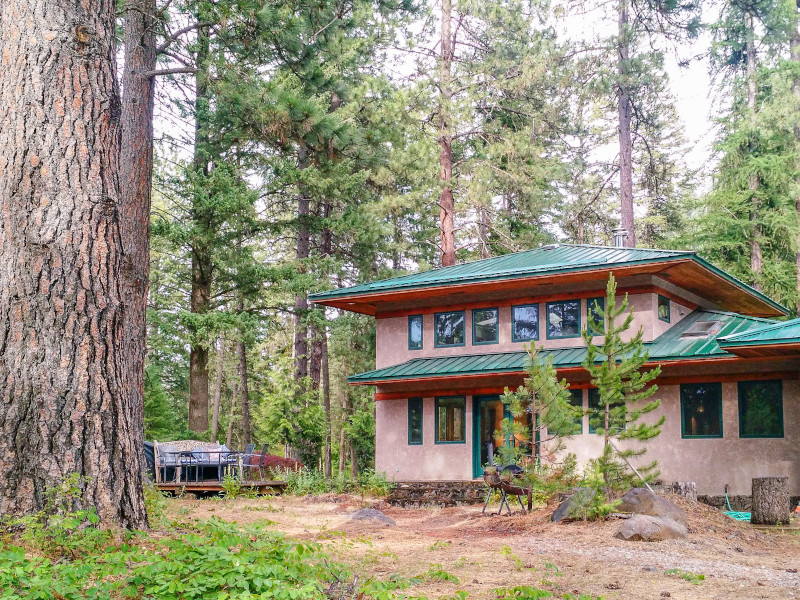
{"x": 304, "y": 146}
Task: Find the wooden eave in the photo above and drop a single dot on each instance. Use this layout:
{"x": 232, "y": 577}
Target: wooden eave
{"x": 687, "y": 273}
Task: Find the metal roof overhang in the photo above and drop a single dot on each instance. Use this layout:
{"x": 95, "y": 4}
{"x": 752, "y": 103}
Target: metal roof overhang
{"x": 690, "y": 273}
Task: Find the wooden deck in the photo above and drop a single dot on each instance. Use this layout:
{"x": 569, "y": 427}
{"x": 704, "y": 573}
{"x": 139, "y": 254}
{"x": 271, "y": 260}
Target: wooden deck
{"x": 258, "y": 486}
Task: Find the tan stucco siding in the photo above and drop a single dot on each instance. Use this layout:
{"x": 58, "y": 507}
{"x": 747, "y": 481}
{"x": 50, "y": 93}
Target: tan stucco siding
{"x": 711, "y": 463}
{"x": 392, "y": 332}
{"x": 429, "y": 461}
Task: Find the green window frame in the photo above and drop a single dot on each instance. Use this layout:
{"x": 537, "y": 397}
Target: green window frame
{"x": 415, "y": 421}
{"x": 761, "y": 409}
{"x": 459, "y": 340}
{"x": 515, "y": 334}
{"x": 576, "y": 400}
{"x": 482, "y": 314}
{"x": 575, "y": 319}
{"x": 413, "y": 343}
{"x": 451, "y": 420}
{"x": 595, "y": 411}
{"x": 600, "y": 316}
{"x": 663, "y": 302}
{"x": 701, "y": 401}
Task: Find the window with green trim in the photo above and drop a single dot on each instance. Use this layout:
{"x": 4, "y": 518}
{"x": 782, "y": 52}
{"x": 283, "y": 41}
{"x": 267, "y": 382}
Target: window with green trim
{"x": 701, "y": 410}
{"x": 451, "y": 420}
{"x": 414, "y": 421}
{"x": 449, "y": 329}
{"x": 663, "y": 308}
{"x": 485, "y": 326}
{"x": 415, "y": 332}
{"x": 595, "y": 312}
{"x": 760, "y": 409}
{"x": 563, "y": 319}
{"x": 576, "y": 401}
{"x": 525, "y": 323}
{"x": 597, "y": 414}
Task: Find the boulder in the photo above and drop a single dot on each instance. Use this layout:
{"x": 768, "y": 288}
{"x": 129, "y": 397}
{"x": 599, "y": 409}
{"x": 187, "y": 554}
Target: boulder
{"x": 641, "y": 501}
{"x": 646, "y": 528}
{"x": 566, "y": 510}
{"x": 371, "y": 514}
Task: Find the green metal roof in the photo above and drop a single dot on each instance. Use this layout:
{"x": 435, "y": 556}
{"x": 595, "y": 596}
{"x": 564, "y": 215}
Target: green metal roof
{"x": 786, "y": 332}
{"x": 554, "y": 258}
{"x": 547, "y": 260}
{"x": 669, "y": 346}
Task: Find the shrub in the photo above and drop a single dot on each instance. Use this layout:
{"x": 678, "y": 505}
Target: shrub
{"x": 277, "y": 464}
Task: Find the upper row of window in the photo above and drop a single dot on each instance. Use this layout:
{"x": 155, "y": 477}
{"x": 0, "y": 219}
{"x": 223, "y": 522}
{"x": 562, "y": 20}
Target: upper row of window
{"x": 563, "y": 321}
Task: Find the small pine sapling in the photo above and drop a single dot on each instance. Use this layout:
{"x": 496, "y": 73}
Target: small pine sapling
{"x": 541, "y": 417}
{"x": 615, "y": 367}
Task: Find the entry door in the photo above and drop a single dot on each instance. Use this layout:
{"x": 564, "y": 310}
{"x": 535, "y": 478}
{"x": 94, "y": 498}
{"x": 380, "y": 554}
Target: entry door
{"x": 488, "y": 413}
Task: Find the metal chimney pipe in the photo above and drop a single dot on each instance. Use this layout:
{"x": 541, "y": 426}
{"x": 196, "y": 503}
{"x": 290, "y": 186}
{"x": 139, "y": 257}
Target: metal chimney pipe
{"x": 620, "y": 235}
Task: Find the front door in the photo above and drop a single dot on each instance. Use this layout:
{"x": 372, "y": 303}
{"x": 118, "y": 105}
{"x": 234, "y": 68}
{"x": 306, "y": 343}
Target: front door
{"x": 488, "y": 413}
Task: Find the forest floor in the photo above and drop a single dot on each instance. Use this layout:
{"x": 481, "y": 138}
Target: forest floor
{"x": 485, "y": 553}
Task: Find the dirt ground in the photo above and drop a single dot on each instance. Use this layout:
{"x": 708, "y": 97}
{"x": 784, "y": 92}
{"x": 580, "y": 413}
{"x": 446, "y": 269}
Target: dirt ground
{"x": 489, "y": 552}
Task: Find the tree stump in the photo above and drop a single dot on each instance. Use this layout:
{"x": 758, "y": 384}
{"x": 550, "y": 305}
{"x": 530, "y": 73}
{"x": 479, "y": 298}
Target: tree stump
{"x": 770, "y": 501}
{"x": 687, "y": 489}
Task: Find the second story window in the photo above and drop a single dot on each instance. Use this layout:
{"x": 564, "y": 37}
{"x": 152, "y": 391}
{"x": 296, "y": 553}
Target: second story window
{"x": 415, "y": 332}
{"x": 563, "y": 319}
{"x": 449, "y": 329}
{"x": 663, "y": 308}
{"x": 525, "y": 323}
{"x": 595, "y": 308}
{"x": 485, "y": 326}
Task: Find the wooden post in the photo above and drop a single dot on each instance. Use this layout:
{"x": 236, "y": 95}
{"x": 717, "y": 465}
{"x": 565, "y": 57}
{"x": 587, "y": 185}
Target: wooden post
{"x": 770, "y": 501}
{"x": 687, "y": 489}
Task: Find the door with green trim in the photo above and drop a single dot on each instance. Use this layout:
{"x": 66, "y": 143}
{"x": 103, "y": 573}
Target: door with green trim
{"x": 488, "y": 413}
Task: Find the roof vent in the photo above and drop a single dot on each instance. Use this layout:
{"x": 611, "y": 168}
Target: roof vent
{"x": 702, "y": 329}
{"x": 620, "y": 236}
{"x": 549, "y": 247}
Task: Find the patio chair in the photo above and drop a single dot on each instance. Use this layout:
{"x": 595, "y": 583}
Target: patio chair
{"x": 251, "y": 461}
{"x": 167, "y": 457}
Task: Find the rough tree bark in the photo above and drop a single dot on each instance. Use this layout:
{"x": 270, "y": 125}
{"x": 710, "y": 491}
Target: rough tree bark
{"x": 302, "y": 251}
{"x": 446, "y": 206}
{"x": 63, "y": 366}
{"x": 326, "y": 405}
{"x": 243, "y": 389}
{"x": 229, "y": 437}
{"x": 218, "y": 390}
{"x": 624, "y": 117}
{"x": 756, "y": 259}
{"x": 794, "y": 47}
{"x": 771, "y": 504}
{"x": 202, "y": 264}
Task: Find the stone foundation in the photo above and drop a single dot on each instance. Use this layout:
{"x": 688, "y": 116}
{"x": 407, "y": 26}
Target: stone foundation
{"x": 416, "y": 494}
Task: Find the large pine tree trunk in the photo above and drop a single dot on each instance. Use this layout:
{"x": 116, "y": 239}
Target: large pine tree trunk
{"x": 218, "y": 390}
{"x": 136, "y": 181}
{"x": 202, "y": 264}
{"x": 326, "y": 406}
{"x": 756, "y": 259}
{"x": 446, "y": 205}
{"x": 64, "y": 367}
{"x": 771, "y": 504}
{"x": 624, "y": 124}
{"x": 243, "y": 388}
{"x": 795, "y": 56}
{"x": 302, "y": 252}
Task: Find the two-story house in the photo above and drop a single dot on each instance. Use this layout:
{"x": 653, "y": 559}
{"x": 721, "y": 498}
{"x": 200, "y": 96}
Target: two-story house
{"x": 450, "y": 340}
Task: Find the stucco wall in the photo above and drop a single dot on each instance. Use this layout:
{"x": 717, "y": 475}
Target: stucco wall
{"x": 392, "y": 332}
{"x": 429, "y": 461}
{"x": 711, "y": 463}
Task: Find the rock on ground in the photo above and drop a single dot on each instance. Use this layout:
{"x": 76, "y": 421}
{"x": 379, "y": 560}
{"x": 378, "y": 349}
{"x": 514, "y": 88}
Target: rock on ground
{"x": 370, "y": 514}
{"x": 647, "y": 528}
{"x": 642, "y": 501}
{"x": 565, "y": 510}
